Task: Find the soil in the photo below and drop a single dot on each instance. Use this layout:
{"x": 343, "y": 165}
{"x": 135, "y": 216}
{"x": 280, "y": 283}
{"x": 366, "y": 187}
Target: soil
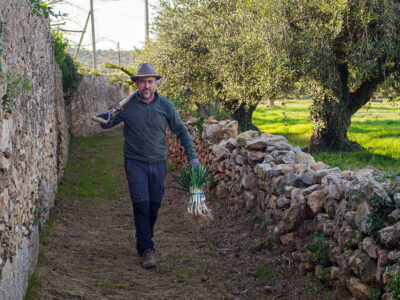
{"x": 90, "y": 253}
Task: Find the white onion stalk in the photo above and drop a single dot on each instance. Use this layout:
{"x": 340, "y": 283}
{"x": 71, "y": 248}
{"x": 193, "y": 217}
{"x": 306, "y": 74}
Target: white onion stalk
{"x": 197, "y": 202}
{"x": 192, "y": 179}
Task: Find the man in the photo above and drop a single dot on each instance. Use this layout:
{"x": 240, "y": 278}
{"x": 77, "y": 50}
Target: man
{"x": 145, "y": 119}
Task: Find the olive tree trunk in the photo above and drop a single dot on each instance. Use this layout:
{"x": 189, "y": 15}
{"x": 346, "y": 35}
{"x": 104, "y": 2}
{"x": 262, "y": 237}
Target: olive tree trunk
{"x": 204, "y": 109}
{"x": 331, "y": 113}
{"x": 244, "y": 115}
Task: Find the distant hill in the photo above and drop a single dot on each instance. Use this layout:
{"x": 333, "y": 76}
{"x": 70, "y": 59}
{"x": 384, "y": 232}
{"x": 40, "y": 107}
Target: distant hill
{"x": 104, "y": 56}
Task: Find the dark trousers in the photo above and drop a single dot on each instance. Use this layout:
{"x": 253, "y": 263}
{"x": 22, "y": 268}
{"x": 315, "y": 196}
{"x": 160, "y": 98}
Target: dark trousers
{"x": 146, "y": 186}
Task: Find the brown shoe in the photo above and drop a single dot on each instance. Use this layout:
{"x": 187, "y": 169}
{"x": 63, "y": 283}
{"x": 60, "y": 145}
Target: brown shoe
{"x": 149, "y": 260}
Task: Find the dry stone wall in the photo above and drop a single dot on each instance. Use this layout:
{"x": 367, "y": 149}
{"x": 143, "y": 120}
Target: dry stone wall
{"x": 34, "y": 135}
{"x": 33, "y": 139}
{"x": 330, "y": 220}
{"x": 94, "y": 96}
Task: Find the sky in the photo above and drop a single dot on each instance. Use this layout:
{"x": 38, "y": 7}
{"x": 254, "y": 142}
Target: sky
{"x": 115, "y": 21}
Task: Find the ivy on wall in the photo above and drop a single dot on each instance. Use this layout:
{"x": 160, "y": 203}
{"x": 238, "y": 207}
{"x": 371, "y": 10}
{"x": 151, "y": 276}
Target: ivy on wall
{"x": 71, "y": 78}
{"x": 40, "y": 8}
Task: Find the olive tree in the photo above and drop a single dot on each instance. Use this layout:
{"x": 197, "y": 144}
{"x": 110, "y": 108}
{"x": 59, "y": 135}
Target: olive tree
{"x": 180, "y": 52}
{"x": 210, "y": 53}
{"x": 245, "y": 64}
{"x": 343, "y": 49}
{"x": 238, "y": 60}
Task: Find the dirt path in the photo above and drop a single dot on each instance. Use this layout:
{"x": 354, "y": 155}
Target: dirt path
{"x": 90, "y": 253}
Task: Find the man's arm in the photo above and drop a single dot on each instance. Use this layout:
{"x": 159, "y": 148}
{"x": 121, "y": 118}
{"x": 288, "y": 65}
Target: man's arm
{"x": 178, "y": 127}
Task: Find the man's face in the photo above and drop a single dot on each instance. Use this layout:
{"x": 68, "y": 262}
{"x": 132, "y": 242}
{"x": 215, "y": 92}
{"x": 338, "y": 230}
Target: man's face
{"x": 146, "y": 86}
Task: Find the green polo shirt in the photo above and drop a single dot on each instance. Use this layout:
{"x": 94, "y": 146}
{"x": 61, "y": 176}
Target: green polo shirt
{"x": 145, "y": 127}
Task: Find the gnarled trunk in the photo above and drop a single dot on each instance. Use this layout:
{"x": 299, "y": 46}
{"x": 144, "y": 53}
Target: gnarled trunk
{"x": 244, "y": 115}
{"x": 332, "y": 114}
{"x": 331, "y": 122}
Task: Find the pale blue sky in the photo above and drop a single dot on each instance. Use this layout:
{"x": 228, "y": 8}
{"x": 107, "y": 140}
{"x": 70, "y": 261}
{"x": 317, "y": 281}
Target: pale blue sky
{"x": 115, "y": 21}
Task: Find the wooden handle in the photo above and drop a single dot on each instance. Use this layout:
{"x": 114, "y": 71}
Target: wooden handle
{"x": 122, "y": 103}
{"x": 100, "y": 120}
{"x": 127, "y": 99}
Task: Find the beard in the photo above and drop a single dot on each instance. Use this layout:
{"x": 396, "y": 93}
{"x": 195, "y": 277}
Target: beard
{"x": 146, "y": 96}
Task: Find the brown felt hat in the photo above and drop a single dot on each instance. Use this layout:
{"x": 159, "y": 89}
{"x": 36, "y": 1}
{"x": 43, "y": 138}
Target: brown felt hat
{"x": 145, "y": 70}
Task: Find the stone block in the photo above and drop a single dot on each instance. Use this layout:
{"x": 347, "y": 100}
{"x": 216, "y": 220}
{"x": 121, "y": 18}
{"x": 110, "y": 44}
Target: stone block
{"x": 288, "y": 190}
{"x": 290, "y": 218}
{"x": 282, "y": 202}
{"x": 370, "y": 247}
{"x": 264, "y": 140}
{"x": 280, "y": 145}
{"x": 362, "y": 216}
{"x": 350, "y": 217}
{"x": 394, "y": 255}
{"x": 357, "y": 288}
{"x": 272, "y": 201}
{"x": 390, "y": 236}
{"x": 363, "y": 266}
{"x": 381, "y": 264}
{"x": 394, "y": 216}
{"x": 324, "y": 172}
{"x": 255, "y": 156}
{"x": 315, "y": 187}
{"x": 296, "y": 196}
{"x": 390, "y": 271}
{"x": 317, "y": 166}
{"x": 249, "y": 181}
{"x": 330, "y": 207}
{"x": 316, "y": 201}
{"x": 304, "y": 158}
{"x": 215, "y": 131}
{"x": 263, "y": 170}
{"x": 250, "y": 200}
{"x": 287, "y": 239}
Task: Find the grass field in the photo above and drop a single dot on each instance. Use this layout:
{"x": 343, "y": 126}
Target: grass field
{"x": 376, "y": 127}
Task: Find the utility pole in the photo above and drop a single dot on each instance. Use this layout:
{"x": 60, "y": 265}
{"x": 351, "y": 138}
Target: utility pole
{"x": 146, "y": 17}
{"x": 93, "y": 36}
{"x": 83, "y": 33}
{"x": 119, "y": 56}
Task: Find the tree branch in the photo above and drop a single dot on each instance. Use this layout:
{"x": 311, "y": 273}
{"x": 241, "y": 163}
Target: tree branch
{"x": 363, "y": 94}
{"x": 292, "y": 23}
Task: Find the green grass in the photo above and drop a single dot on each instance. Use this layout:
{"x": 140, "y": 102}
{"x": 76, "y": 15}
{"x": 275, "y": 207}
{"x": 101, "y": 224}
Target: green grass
{"x": 89, "y": 176}
{"x": 267, "y": 274}
{"x": 35, "y": 279}
{"x": 185, "y": 274}
{"x": 91, "y": 173}
{"x": 315, "y": 287}
{"x": 376, "y": 127}
{"x": 33, "y": 283}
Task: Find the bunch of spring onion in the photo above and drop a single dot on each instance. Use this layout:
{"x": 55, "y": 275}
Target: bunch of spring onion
{"x": 192, "y": 179}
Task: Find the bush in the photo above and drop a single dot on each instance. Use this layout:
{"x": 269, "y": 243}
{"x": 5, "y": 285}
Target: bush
{"x": 71, "y": 78}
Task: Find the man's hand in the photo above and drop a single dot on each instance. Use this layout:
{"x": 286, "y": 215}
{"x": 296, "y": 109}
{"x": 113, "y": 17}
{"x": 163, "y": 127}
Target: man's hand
{"x": 194, "y": 162}
{"x": 116, "y": 107}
